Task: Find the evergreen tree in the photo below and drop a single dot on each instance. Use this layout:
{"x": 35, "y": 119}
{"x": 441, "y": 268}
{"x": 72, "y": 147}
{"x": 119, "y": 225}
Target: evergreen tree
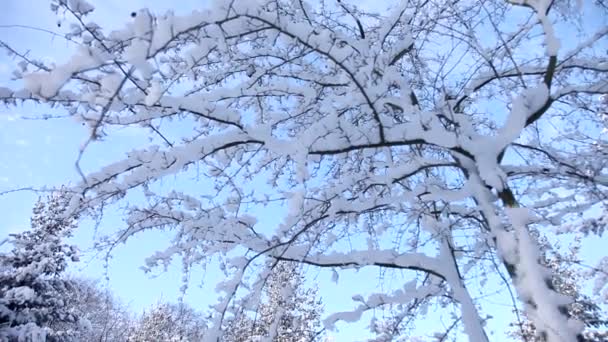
{"x": 31, "y": 288}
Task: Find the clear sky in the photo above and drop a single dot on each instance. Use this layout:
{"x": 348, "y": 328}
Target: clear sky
{"x": 42, "y": 152}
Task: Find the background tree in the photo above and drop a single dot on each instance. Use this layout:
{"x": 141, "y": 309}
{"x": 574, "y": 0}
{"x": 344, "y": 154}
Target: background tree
{"x": 426, "y": 138}
{"x": 32, "y": 290}
{"x": 166, "y": 322}
{"x": 107, "y": 320}
{"x": 290, "y": 311}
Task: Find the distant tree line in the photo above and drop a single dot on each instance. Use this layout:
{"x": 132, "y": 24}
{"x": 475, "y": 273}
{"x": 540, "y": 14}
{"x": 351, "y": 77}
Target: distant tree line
{"x": 40, "y": 302}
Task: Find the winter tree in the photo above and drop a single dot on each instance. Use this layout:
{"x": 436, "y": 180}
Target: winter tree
{"x": 166, "y": 322}
{"x": 424, "y": 138}
{"x": 32, "y": 290}
{"x": 567, "y": 279}
{"x": 107, "y": 319}
{"x": 290, "y": 312}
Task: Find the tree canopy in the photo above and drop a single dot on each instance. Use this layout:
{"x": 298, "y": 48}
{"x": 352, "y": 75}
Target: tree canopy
{"x": 426, "y": 138}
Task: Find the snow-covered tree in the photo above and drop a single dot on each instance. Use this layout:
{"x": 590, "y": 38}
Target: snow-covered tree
{"x": 166, "y": 322}
{"x": 395, "y": 323}
{"x": 567, "y": 279}
{"x": 290, "y": 311}
{"x": 107, "y": 320}
{"x": 32, "y": 290}
{"x": 424, "y": 138}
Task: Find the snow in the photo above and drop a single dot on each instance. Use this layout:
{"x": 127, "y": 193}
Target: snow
{"x": 531, "y": 284}
{"x": 154, "y": 93}
{"x": 21, "y": 294}
{"x": 407, "y": 294}
{"x": 110, "y": 84}
{"x": 527, "y": 103}
{"x": 552, "y": 43}
{"x": 137, "y": 54}
{"x": 81, "y": 6}
{"x": 296, "y": 202}
{"x": 164, "y": 31}
{"x": 48, "y": 84}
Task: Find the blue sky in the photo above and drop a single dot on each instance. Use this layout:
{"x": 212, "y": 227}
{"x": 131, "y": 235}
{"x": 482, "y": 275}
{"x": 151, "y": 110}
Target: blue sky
{"x": 41, "y": 153}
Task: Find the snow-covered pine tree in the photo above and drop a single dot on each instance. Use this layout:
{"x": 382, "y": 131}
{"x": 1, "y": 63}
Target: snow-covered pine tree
{"x": 31, "y": 287}
{"x": 290, "y": 312}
